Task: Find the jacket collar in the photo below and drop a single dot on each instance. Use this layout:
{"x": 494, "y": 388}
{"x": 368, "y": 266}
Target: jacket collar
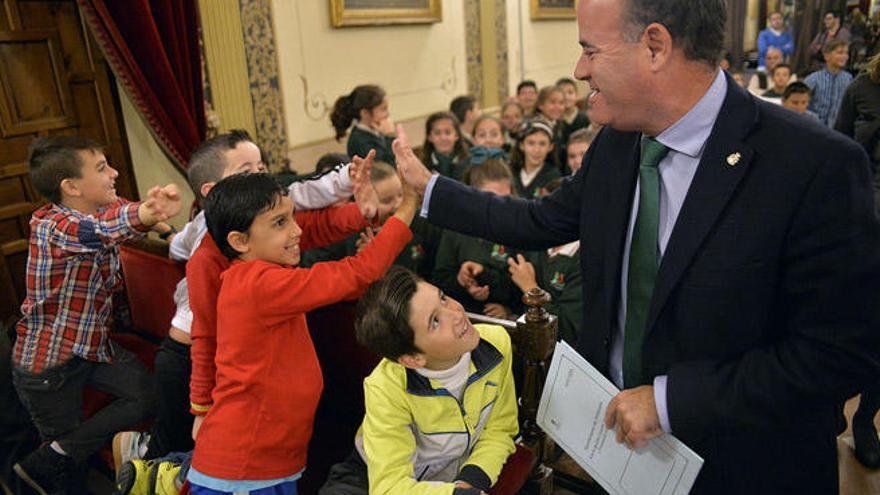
{"x": 485, "y": 357}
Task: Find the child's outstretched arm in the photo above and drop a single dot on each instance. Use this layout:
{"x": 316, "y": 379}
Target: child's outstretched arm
{"x": 119, "y": 222}
{"x": 323, "y": 190}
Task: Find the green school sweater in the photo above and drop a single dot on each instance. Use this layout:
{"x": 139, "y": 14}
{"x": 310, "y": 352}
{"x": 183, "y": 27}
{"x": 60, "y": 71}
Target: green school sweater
{"x": 360, "y": 142}
{"x": 449, "y": 165}
{"x": 457, "y": 248}
{"x": 535, "y": 189}
{"x": 560, "y": 276}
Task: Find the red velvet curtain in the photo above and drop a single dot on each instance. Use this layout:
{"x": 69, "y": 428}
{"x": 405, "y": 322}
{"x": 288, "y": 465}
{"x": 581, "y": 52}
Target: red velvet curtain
{"x": 153, "y": 48}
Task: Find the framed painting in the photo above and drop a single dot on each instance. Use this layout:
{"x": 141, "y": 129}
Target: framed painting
{"x": 344, "y": 13}
{"x": 553, "y": 9}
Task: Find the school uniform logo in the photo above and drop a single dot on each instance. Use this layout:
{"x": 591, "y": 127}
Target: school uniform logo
{"x": 540, "y": 192}
{"x": 499, "y": 253}
{"x": 416, "y": 252}
{"x": 558, "y": 281}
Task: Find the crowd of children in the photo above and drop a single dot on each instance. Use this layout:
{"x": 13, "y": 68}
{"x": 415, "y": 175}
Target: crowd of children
{"x": 259, "y": 256}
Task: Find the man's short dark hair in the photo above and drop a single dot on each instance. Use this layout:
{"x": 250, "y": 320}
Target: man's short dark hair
{"x": 208, "y": 161}
{"x": 780, "y": 66}
{"x": 697, "y": 26}
{"x": 234, "y": 203}
{"x": 382, "y": 322}
{"x": 835, "y": 13}
{"x": 795, "y": 88}
{"x": 528, "y": 83}
{"x": 461, "y": 105}
{"x": 55, "y": 158}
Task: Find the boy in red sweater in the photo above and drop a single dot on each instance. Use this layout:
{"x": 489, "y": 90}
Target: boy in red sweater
{"x": 268, "y": 380}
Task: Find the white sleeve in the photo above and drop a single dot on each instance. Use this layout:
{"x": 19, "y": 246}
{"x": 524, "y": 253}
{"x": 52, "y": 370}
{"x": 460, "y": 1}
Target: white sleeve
{"x": 185, "y": 241}
{"x": 323, "y": 190}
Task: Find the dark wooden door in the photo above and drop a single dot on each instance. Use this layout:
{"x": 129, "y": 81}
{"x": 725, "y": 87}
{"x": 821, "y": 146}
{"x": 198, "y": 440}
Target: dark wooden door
{"x": 53, "y": 80}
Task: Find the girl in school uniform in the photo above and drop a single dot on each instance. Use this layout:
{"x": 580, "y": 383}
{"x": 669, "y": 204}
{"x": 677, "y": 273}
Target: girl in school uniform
{"x": 532, "y": 161}
{"x": 475, "y": 271}
{"x": 367, "y": 108}
{"x": 444, "y": 150}
{"x": 512, "y": 117}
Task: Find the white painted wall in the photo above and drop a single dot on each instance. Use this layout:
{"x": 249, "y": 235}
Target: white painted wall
{"x": 151, "y": 166}
{"x": 422, "y": 67}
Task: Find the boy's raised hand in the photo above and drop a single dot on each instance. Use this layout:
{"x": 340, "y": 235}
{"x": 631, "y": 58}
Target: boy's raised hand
{"x": 364, "y": 195}
{"x": 411, "y": 201}
{"x": 412, "y": 171}
{"x": 161, "y": 204}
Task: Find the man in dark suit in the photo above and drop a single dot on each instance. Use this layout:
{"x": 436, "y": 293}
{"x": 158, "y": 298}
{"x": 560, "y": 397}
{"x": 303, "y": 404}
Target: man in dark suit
{"x": 730, "y": 253}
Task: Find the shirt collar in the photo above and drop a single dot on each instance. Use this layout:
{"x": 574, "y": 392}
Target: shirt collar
{"x": 690, "y": 133}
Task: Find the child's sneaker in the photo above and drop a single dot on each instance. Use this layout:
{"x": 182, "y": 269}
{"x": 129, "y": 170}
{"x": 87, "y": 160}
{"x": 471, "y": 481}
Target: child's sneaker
{"x": 46, "y": 471}
{"x": 133, "y": 477}
{"x": 128, "y": 446}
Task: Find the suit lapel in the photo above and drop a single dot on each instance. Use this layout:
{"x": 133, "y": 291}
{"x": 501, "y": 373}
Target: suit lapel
{"x": 725, "y": 161}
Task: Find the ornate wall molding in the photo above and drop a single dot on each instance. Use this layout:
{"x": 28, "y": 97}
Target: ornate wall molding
{"x": 475, "y": 43}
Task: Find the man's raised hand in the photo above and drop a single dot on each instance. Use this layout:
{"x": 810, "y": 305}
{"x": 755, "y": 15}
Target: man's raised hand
{"x": 411, "y": 169}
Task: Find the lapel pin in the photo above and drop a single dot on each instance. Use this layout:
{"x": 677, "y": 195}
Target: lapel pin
{"x": 733, "y": 158}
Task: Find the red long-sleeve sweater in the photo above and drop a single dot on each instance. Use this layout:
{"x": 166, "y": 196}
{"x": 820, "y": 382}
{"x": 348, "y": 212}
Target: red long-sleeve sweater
{"x": 320, "y": 228}
{"x": 268, "y": 380}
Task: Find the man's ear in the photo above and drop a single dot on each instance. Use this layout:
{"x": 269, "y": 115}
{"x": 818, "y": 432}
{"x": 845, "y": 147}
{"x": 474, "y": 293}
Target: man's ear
{"x": 238, "y": 241}
{"x": 659, "y": 41}
{"x": 413, "y": 361}
{"x": 206, "y": 188}
{"x": 70, "y": 189}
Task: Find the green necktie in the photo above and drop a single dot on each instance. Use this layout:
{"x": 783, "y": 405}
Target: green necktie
{"x": 642, "y": 261}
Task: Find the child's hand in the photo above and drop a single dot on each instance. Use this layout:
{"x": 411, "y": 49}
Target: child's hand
{"x": 496, "y": 310}
{"x": 197, "y": 423}
{"x": 479, "y": 293}
{"x": 522, "y": 273}
{"x": 364, "y": 238}
{"x": 468, "y": 272}
{"x": 364, "y": 194}
{"x": 412, "y": 171}
{"x": 162, "y": 203}
{"x": 410, "y": 204}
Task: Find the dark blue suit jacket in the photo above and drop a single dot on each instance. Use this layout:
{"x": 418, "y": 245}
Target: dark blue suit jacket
{"x": 766, "y": 309}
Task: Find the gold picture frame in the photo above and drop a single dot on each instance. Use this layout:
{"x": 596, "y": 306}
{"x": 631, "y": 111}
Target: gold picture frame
{"x": 553, "y": 9}
{"x": 347, "y": 13}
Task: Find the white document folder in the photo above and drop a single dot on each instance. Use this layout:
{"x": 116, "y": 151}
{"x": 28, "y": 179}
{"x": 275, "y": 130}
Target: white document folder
{"x": 572, "y": 412}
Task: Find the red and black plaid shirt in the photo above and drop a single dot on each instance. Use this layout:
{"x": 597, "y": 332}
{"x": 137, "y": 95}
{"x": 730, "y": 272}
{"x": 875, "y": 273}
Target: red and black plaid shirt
{"x": 72, "y": 269}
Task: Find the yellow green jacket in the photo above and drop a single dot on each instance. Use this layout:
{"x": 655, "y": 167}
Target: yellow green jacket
{"x": 418, "y": 439}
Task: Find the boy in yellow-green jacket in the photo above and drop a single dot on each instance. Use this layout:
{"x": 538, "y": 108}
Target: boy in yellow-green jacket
{"x": 441, "y": 410}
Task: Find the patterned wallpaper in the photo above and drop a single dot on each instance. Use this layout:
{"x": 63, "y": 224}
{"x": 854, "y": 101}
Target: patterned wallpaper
{"x": 473, "y": 47}
{"x": 262, "y": 61}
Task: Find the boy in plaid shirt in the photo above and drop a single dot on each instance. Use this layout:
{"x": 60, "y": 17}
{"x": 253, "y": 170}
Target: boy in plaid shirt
{"x": 72, "y": 270}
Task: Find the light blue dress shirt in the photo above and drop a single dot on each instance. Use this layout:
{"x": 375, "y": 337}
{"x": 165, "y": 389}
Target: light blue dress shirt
{"x": 686, "y": 140}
